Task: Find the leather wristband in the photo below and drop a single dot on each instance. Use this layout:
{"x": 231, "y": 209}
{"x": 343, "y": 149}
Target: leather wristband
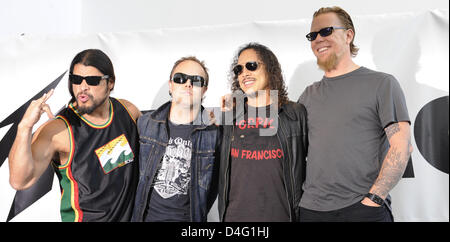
{"x": 375, "y": 198}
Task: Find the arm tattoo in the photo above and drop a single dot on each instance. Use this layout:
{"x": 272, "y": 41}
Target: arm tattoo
{"x": 394, "y": 164}
{"x": 391, "y": 130}
{"x": 391, "y": 172}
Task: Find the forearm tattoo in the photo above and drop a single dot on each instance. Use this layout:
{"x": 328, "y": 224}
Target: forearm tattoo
{"x": 393, "y": 166}
{"x": 391, "y": 172}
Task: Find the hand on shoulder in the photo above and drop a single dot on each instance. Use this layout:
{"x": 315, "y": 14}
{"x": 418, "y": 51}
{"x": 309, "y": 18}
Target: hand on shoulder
{"x": 134, "y": 111}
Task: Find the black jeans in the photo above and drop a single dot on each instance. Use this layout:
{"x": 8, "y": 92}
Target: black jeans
{"x": 357, "y": 212}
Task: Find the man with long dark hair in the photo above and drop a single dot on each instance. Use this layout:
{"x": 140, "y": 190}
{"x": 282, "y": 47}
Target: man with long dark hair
{"x": 264, "y": 143}
{"x": 92, "y": 145}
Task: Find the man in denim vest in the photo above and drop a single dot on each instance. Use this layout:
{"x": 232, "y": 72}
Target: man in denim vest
{"x": 178, "y": 152}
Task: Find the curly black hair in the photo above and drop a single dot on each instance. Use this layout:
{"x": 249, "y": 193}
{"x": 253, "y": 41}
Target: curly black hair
{"x": 272, "y": 68}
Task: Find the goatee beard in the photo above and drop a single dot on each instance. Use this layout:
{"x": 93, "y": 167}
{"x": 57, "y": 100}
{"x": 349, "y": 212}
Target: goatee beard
{"x": 329, "y": 63}
{"x": 252, "y": 94}
{"x": 89, "y": 109}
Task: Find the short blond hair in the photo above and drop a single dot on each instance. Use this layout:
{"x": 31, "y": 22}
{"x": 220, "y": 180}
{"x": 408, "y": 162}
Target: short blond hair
{"x": 345, "y": 19}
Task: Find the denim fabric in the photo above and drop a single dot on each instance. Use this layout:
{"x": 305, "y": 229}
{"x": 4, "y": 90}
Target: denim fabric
{"x": 153, "y": 139}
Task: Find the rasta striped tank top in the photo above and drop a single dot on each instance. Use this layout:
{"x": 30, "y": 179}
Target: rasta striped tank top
{"x": 98, "y": 181}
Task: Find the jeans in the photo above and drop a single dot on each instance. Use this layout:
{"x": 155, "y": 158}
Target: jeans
{"x": 357, "y": 212}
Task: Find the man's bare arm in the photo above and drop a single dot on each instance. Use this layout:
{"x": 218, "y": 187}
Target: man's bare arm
{"x": 29, "y": 156}
{"x": 395, "y": 162}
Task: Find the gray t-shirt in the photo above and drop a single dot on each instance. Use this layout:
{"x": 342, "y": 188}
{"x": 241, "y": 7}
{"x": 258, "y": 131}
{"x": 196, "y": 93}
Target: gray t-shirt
{"x": 347, "y": 143}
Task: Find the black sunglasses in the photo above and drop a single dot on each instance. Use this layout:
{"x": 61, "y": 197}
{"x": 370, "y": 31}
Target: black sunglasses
{"x": 323, "y": 32}
{"x": 90, "y": 80}
{"x": 251, "y": 66}
{"x": 182, "y": 78}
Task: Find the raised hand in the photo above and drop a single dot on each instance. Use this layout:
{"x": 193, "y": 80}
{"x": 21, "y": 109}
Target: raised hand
{"x": 35, "y": 110}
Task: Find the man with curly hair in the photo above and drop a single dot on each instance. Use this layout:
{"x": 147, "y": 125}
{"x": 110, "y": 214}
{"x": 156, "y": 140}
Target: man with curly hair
{"x": 264, "y": 146}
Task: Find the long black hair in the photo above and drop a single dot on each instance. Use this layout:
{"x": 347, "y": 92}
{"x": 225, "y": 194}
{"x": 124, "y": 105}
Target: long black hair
{"x": 95, "y": 58}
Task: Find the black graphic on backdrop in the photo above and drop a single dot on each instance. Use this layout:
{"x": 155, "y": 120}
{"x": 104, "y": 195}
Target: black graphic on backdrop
{"x": 25, "y": 198}
{"x": 431, "y": 133}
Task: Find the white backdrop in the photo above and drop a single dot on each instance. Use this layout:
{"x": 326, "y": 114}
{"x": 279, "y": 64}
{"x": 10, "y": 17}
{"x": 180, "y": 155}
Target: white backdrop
{"x": 411, "y": 46}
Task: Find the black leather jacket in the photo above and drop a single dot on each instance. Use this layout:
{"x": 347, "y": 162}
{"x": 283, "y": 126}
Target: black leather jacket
{"x": 293, "y": 136}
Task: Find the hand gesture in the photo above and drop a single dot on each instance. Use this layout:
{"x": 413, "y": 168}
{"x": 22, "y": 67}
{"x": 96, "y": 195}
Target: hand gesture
{"x": 227, "y": 103}
{"x": 36, "y": 109}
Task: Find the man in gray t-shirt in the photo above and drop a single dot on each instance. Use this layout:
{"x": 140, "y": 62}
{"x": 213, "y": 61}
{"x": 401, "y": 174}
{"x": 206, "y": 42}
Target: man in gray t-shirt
{"x": 359, "y": 134}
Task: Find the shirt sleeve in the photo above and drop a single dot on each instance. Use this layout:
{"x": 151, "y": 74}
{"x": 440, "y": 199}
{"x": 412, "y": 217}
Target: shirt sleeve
{"x": 302, "y": 98}
{"x": 391, "y": 103}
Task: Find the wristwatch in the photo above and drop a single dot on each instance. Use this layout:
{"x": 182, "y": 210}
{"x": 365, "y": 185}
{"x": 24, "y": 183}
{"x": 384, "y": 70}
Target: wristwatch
{"x": 375, "y": 198}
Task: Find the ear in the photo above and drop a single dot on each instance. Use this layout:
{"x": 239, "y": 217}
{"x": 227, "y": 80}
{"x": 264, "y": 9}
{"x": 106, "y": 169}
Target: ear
{"x": 170, "y": 87}
{"x": 111, "y": 85}
{"x": 350, "y": 35}
{"x": 204, "y": 89}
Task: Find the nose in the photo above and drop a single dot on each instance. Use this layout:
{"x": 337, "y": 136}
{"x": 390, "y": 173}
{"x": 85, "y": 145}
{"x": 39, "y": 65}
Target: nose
{"x": 188, "y": 83}
{"x": 245, "y": 72}
{"x": 84, "y": 85}
{"x": 319, "y": 39}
